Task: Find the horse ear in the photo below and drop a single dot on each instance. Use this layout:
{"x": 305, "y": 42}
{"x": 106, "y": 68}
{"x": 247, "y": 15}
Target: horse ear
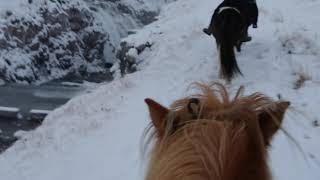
{"x": 157, "y": 115}
{"x": 270, "y": 119}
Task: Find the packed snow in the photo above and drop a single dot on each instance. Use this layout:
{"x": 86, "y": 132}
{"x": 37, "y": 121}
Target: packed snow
{"x": 98, "y": 135}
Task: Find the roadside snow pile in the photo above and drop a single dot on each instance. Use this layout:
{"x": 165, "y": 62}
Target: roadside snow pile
{"x": 45, "y": 40}
{"x": 97, "y": 135}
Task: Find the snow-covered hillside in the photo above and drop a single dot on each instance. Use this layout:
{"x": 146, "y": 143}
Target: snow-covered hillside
{"x": 97, "y": 135}
{"x": 41, "y": 40}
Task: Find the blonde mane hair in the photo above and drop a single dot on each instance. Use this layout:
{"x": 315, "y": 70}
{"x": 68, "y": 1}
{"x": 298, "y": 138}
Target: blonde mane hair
{"x": 210, "y": 136}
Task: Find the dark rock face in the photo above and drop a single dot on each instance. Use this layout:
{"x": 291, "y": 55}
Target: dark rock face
{"x": 128, "y": 62}
{"x": 147, "y": 17}
{"x": 61, "y": 37}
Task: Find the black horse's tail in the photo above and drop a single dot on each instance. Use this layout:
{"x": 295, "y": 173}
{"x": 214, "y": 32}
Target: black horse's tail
{"x": 229, "y": 35}
{"x": 229, "y": 66}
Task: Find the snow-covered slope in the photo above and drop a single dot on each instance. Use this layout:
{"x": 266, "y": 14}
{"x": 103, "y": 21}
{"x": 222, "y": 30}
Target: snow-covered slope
{"x": 97, "y": 136}
{"x": 41, "y": 40}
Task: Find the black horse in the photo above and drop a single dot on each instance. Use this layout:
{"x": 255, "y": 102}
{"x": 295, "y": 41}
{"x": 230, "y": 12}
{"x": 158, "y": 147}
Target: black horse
{"x": 229, "y": 25}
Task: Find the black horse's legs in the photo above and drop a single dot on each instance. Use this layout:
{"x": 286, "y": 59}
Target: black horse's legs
{"x": 238, "y": 46}
{"x": 245, "y": 36}
{"x": 209, "y": 29}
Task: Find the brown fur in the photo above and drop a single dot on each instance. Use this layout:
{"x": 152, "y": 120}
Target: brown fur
{"x": 227, "y": 140}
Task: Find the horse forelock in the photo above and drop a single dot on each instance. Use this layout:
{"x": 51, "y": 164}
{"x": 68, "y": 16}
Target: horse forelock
{"x": 216, "y": 103}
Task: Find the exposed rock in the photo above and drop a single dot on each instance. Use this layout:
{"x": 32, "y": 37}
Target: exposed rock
{"x": 146, "y": 17}
{"x": 127, "y": 56}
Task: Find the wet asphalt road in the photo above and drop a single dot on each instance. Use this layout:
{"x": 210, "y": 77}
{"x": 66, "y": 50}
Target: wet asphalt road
{"x": 27, "y": 97}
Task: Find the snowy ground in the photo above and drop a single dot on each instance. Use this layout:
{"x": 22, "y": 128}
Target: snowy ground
{"x": 97, "y": 135}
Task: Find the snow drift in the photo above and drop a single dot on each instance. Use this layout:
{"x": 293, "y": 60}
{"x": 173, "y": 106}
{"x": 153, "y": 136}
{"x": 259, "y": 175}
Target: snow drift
{"x": 98, "y": 135}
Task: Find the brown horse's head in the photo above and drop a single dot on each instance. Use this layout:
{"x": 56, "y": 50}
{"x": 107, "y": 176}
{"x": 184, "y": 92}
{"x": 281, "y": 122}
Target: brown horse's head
{"x": 211, "y": 136}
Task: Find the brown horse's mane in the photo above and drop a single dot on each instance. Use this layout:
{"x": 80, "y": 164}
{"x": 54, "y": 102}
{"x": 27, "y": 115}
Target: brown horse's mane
{"x": 199, "y": 139}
